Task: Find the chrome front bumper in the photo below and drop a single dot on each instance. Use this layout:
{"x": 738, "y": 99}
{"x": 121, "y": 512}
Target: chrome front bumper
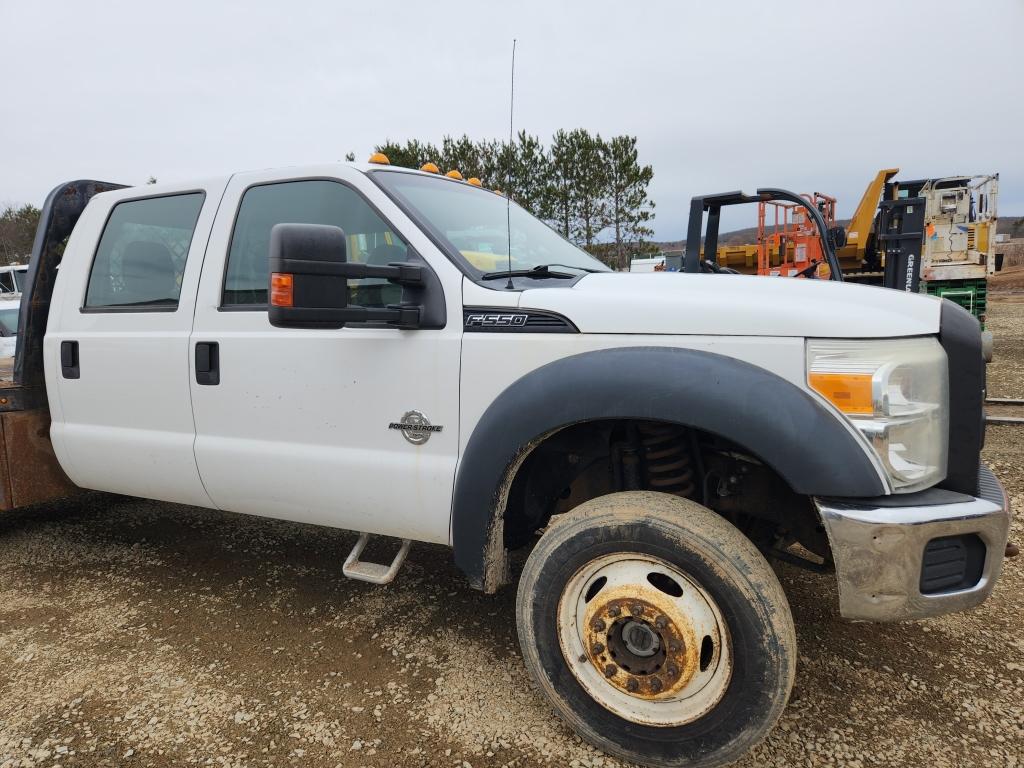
{"x": 879, "y": 549}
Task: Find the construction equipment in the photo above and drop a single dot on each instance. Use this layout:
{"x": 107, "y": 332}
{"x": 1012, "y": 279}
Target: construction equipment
{"x": 765, "y": 257}
{"x": 791, "y": 246}
{"x": 937, "y": 236}
{"x": 932, "y": 236}
{"x": 860, "y": 234}
{"x": 788, "y": 202}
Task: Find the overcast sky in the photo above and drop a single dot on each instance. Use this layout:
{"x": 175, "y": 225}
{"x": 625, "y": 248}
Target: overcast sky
{"x": 808, "y": 95}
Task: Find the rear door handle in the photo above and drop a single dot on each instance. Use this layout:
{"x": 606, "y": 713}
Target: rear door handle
{"x": 69, "y": 367}
{"x": 207, "y": 362}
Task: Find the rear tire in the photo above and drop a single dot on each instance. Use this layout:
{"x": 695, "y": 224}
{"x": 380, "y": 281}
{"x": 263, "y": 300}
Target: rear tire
{"x": 656, "y": 630}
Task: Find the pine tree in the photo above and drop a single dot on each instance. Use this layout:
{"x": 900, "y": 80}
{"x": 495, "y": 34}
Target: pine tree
{"x": 559, "y": 187}
{"x": 629, "y": 208}
{"x": 530, "y": 172}
{"x": 589, "y": 188}
{"x": 462, "y": 155}
{"x": 17, "y": 232}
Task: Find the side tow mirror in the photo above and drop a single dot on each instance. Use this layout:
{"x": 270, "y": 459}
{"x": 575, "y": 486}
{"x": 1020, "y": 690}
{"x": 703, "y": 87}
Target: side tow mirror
{"x": 309, "y": 274}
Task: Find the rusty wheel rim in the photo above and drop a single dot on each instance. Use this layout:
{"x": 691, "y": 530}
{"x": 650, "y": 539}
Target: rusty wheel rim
{"x": 644, "y": 639}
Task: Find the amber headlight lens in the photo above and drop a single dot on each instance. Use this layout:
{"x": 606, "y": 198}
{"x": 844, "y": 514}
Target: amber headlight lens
{"x": 896, "y": 392}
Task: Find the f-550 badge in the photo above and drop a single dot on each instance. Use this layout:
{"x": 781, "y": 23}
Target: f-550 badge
{"x": 495, "y": 320}
{"x": 415, "y": 428}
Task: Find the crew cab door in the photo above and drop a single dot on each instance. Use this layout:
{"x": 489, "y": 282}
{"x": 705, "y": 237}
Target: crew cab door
{"x": 297, "y": 424}
{"x": 117, "y": 342}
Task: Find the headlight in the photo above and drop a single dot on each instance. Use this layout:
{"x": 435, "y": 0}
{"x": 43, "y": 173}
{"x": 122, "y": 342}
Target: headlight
{"x": 896, "y": 392}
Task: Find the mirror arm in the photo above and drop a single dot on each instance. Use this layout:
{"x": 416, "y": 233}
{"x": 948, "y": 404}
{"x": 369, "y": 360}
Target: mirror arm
{"x": 404, "y": 316}
{"x": 400, "y": 272}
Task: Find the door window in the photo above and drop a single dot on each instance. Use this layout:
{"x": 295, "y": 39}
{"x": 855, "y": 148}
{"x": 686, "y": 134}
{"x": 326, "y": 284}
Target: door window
{"x": 141, "y": 256}
{"x": 370, "y": 239}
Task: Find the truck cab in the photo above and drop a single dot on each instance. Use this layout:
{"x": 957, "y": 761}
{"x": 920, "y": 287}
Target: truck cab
{"x": 408, "y": 355}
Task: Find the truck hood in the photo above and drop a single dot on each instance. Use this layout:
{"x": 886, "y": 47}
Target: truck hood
{"x": 735, "y": 305}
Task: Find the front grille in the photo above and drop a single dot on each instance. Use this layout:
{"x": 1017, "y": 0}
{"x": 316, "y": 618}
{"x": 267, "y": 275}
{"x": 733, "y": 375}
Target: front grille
{"x": 951, "y": 564}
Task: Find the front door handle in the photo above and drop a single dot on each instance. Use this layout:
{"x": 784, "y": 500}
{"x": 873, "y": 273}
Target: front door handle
{"x": 207, "y": 362}
{"x": 69, "y": 367}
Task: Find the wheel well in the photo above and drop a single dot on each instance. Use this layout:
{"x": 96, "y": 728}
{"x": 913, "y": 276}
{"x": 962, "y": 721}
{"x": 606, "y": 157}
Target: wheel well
{"x": 594, "y": 458}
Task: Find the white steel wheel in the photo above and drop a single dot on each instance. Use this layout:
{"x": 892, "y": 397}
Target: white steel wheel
{"x": 644, "y": 639}
{"x": 656, "y": 630}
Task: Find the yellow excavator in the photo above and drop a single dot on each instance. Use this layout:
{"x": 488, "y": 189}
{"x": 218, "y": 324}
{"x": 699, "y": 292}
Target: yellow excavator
{"x": 859, "y": 234}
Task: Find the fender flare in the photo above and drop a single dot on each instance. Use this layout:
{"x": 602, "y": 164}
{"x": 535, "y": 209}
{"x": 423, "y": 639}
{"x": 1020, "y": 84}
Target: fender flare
{"x": 769, "y": 416}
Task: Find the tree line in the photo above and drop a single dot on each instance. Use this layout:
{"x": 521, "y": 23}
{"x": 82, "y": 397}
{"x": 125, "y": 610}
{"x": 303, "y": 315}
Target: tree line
{"x": 590, "y": 189}
{"x": 17, "y": 231}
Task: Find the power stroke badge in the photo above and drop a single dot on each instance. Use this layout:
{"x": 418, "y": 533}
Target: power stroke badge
{"x": 415, "y": 428}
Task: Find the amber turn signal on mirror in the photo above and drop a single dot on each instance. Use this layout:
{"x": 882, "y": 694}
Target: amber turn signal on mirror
{"x": 281, "y": 294}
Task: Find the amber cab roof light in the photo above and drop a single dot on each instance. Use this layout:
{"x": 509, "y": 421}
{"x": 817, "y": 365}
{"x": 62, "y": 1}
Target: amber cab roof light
{"x": 430, "y": 168}
{"x": 474, "y": 181}
{"x": 379, "y": 158}
{"x": 453, "y": 174}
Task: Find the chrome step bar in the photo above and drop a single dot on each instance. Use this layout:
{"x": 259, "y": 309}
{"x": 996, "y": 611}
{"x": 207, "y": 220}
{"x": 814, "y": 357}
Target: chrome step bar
{"x": 374, "y": 573}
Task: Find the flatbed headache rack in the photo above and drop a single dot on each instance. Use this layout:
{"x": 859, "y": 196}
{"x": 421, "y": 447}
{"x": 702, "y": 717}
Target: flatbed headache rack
{"x": 29, "y": 472}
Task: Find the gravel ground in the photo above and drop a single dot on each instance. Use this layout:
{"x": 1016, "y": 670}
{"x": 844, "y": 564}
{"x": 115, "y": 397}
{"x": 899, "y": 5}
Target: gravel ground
{"x": 143, "y": 634}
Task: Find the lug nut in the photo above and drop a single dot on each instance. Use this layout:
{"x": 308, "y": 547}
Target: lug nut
{"x": 637, "y": 610}
{"x": 672, "y": 670}
{"x": 597, "y": 625}
{"x": 597, "y": 648}
{"x": 614, "y": 611}
{"x": 661, "y": 622}
{"x": 655, "y": 684}
{"x": 674, "y": 647}
{"x": 632, "y": 685}
{"x": 610, "y": 670}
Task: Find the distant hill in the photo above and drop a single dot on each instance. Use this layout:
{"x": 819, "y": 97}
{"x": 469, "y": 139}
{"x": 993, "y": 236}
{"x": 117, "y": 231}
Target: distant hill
{"x": 1011, "y": 225}
{"x": 1008, "y": 225}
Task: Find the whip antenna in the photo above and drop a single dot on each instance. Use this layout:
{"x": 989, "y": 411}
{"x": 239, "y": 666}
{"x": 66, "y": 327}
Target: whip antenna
{"x": 508, "y": 169}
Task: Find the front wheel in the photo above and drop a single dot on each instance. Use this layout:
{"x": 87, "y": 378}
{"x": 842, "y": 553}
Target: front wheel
{"x": 657, "y": 630}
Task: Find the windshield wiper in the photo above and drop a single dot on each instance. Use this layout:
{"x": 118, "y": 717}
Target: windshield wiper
{"x": 541, "y": 271}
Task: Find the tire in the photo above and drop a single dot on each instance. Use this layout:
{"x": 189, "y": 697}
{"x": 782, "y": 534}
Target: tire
{"x": 686, "y": 599}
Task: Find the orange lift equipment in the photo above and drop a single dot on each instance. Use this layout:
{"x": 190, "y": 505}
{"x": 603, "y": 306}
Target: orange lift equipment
{"x": 790, "y": 246}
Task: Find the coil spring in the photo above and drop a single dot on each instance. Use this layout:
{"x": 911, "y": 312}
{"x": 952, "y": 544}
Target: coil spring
{"x": 667, "y": 462}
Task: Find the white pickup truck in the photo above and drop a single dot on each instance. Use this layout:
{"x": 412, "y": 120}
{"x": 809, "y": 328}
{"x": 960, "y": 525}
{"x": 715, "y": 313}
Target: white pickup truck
{"x": 408, "y": 355}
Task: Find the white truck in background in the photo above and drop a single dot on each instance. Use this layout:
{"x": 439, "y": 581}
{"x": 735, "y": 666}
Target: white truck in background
{"x": 408, "y": 355}
{"x": 12, "y": 278}
{"x": 10, "y": 307}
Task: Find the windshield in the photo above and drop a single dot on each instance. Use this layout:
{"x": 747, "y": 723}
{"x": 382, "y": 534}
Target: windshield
{"x": 472, "y": 223}
{"x": 9, "y": 320}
